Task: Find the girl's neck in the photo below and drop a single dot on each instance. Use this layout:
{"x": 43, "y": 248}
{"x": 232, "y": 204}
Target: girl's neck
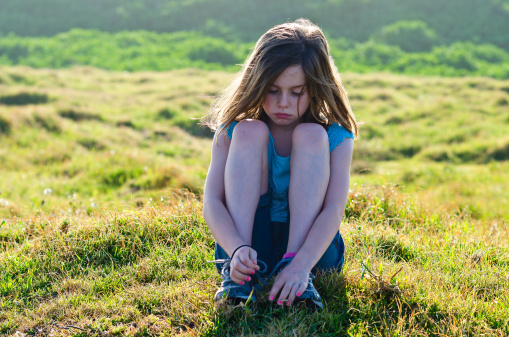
{"x": 282, "y": 136}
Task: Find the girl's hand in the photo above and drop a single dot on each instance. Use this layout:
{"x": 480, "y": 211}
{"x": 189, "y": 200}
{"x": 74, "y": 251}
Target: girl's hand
{"x": 291, "y": 282}
{"x": 243, "y": 265}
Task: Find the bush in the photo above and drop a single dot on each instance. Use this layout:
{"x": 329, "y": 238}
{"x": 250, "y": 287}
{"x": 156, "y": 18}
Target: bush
{"x": 168, "y": 113}
{"x": 79, "y": 116}
{"x": 457, "y": 56}
{"x": 501, "y": 152}
{"x": 486, "y": 52}
{"x": 5, "y": 126}
{"x": 191, "y": 126}
{"x": 213, "y": 51}
{"x": 376, "y": 54}
{"x": 410, "y": 36}
{"x": 47, "y": 122}
{"x": 24, "y": 98}
{"x": 118, "y": 177}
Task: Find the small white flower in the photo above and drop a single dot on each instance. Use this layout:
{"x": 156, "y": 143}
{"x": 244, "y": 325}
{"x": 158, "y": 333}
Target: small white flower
{"x": 4, "y": 203}
{"x": 48, "y": 191}
{"x": 112, "y": 152}
{"x": 162, "y": 199}
{"x": 93, "y": 205}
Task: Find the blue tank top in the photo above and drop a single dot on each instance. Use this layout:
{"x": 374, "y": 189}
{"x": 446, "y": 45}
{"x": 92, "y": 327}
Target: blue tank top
{"x": 279, "y": 170}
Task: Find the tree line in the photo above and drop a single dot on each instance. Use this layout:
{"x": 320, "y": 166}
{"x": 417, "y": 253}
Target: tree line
{"x": 477, "y": 21}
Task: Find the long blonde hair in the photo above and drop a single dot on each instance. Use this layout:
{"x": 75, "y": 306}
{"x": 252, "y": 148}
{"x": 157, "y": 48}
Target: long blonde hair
{"x": 295, "y": 43}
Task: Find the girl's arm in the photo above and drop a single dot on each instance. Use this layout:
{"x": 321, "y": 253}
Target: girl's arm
{"x": 293, "y": 278}
{"x": 216, "y": 214}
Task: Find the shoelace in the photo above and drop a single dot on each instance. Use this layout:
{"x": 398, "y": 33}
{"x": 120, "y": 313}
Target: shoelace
{"x": 257, "y": 273}
{"x": 279, "y": 266}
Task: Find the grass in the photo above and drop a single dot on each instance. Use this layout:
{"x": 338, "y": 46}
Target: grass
{"x": 101, "y": 232}
{"x": 143, "y": 271}
{"x": 129, "y": 135}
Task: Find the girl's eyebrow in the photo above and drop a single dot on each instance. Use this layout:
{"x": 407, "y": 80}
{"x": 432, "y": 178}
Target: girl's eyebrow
{"x": 294, "y": 87}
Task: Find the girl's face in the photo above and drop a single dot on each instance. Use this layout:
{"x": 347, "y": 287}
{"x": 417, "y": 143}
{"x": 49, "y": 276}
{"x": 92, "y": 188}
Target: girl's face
{"x": 287, "y": 98}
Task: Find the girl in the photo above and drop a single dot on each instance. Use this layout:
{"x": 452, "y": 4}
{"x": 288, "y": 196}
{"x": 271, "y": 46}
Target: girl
{"x": 278, "y": 180}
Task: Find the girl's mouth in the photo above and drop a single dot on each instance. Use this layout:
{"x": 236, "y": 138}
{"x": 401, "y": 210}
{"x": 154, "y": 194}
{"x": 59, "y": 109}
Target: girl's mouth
{"x": 282, "y": 116}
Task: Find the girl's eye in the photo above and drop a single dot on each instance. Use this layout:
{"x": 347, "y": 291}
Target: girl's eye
{"x": 296, "y": 94}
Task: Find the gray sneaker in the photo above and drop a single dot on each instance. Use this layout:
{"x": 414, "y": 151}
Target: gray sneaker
{"x": 311, "y": 298}
{"x": 235, "y": 293}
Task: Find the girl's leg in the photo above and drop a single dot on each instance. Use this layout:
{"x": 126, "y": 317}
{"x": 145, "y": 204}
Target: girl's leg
{"x": 246, "y": 174}
{"x": 310, "y": 172}
{"x": 334, "y": 256}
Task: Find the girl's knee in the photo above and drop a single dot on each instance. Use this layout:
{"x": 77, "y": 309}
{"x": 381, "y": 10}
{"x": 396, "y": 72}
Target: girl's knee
{"x": 251, "y": 130}
{"x": 310, "y": 136}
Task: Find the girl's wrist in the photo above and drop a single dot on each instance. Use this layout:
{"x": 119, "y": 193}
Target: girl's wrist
{"x": 237, "y": 249}
{"x": 304, "y": 261}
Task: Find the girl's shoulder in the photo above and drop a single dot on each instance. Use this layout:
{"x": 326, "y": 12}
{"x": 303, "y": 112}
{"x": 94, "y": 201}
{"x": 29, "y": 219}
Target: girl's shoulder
{"x": 337, "y": 134}
{"x": 229, "y": 131}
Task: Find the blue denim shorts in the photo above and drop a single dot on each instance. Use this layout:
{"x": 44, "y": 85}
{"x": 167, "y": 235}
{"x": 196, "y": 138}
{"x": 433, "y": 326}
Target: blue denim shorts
{"x": 270, "y": 240}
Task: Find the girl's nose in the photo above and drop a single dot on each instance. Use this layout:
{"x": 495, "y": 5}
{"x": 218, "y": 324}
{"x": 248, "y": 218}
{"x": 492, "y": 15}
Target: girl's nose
{"x": 283, "y": 100}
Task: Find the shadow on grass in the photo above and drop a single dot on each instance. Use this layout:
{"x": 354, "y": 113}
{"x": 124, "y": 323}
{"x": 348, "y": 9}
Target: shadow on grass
{"x": 344, "y": 313}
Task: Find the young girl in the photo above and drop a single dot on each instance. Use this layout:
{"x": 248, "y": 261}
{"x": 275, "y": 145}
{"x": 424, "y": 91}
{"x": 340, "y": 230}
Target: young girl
{"x": 278, "y": 180}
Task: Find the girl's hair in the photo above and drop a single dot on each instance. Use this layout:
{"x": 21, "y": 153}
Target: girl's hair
{"x": 295, "y": 43}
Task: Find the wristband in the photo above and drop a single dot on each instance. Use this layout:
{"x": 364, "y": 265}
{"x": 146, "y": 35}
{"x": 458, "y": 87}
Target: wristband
{"x": 238, "y": 249}
{"x": 288, "y": 255}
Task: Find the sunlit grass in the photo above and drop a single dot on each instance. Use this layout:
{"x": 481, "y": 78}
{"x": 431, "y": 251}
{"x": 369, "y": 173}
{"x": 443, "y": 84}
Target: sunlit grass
{"x": 112, "y": 136}
{"x": 477, "y": 189}
{"x": 143, "y": 270}
{"x": 95, "y": 240}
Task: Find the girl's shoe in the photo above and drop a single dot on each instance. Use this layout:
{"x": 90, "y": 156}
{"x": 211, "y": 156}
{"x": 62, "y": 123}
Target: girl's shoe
{"x": 311, "y": 298}
{"x": 235, "y": 293}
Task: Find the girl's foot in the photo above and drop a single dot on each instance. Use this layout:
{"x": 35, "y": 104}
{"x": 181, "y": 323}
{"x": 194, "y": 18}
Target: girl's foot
{"x": 235, "y": 293}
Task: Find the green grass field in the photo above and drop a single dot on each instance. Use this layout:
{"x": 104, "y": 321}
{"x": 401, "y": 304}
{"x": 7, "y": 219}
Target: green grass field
{"x": 101, "y": 232}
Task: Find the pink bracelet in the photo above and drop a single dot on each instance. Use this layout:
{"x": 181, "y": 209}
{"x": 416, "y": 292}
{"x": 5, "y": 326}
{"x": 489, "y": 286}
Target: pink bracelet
{"x": 287, "y": 255}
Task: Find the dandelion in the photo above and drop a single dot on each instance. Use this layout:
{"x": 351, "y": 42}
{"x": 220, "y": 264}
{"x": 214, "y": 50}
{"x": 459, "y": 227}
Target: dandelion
{"x": 48, "y": 191}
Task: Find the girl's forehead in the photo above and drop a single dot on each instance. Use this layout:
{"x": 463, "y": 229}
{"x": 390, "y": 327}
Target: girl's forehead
{"x": 293, "y": 76}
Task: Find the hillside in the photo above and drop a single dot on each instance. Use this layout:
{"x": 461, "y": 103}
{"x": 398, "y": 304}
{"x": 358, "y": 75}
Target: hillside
{"x": 101, "y": 232}
{"x": 85, "y": 137}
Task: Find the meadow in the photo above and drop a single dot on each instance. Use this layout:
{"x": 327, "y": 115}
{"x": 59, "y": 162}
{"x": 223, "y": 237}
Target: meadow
{"x": 101, "y": 232}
